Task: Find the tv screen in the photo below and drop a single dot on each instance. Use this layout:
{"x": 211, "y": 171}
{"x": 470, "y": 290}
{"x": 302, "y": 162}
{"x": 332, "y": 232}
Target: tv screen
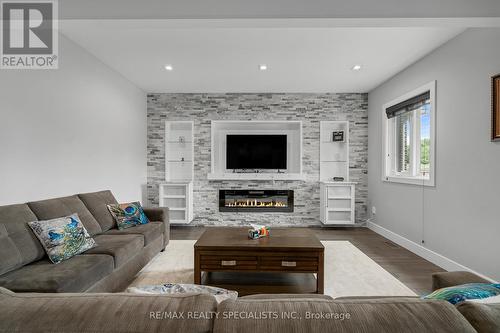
{"x": 256, "y": 152}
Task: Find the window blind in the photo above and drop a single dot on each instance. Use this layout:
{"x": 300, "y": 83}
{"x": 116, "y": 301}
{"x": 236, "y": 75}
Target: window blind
{"x": 408, "y": 105}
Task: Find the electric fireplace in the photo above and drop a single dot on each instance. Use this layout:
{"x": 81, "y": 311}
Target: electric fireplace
{"x": 256, "y": 201}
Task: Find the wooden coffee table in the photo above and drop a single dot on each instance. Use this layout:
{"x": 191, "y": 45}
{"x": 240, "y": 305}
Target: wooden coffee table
{"x": 286, "y": 261}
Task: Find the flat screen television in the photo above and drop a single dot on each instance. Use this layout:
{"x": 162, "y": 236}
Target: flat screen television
{"x": 256, "y": 152}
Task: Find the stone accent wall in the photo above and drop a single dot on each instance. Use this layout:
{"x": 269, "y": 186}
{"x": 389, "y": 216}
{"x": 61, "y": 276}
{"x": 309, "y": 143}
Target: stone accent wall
{"x": 309, "y": 108}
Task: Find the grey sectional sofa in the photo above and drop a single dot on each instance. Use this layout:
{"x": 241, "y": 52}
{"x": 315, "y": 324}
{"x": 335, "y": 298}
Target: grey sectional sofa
{"x": 194, "y": 313}
{"x": 109, "y": 267}
{"x": 121, "y": 312}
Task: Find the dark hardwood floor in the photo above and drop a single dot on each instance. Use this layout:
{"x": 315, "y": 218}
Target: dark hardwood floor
{"x": 412, "y": 270}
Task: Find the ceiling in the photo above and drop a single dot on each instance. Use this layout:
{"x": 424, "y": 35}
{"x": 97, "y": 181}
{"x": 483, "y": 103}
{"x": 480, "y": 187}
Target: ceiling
{"x": 224, "y": 58}
{"x": 226, "y": 9}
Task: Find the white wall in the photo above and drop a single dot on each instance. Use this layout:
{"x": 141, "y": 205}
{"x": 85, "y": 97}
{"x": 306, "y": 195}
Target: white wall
{"x": 460, "y": 217}
{"x": 76, "y": 129}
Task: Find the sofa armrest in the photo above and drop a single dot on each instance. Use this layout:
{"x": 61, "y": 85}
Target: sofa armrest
{"x": 160, "y": 215}
{"x": 156, "y": 214}
{"x": 449, "y": 279}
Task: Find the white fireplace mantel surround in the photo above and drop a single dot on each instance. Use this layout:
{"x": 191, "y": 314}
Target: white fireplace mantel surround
{"x": 221, "y": 128}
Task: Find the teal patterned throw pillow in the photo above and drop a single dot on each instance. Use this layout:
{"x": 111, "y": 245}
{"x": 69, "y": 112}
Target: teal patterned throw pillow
{"x": 62, "y": 238}
{"x": 128, "y": 215}
{"x": 458, "y": 294}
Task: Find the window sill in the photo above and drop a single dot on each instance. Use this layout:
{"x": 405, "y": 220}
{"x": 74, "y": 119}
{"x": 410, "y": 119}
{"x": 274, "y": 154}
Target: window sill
{"x": 409, "y": 180}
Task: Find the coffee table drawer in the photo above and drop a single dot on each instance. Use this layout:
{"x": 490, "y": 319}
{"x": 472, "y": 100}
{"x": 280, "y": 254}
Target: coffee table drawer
{"x": 289, "y": 263}
{"x": 213, "y": 262}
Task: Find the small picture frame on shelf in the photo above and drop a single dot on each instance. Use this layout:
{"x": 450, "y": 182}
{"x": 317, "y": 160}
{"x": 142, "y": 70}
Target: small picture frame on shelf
{"x": 338, "y": 136}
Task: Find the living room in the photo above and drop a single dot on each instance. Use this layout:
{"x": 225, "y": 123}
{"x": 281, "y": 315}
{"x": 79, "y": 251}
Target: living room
{"x": 265, "y": 166}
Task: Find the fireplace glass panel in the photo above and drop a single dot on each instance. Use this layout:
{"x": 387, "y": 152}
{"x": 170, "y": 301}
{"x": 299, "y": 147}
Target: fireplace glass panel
{"x": 256, "y": 201}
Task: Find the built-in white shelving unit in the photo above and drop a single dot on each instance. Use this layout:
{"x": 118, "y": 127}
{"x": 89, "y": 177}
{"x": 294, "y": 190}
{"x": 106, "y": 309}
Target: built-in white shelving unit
{"x": 179, "y": 151}
{"x": 334, "y": 155}
{"x": 337, "y": 201}
{"x": 178, "y": 197}
{"x": 220, "y": 130}
{"x": 177, "y": 192}
{"x": 337, "y": 198}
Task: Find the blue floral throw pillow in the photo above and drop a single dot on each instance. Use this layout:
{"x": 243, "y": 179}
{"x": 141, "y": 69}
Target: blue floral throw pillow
{"x": 458, "y": 294}
{"x": 62, "y": 238}
{"x": 128, "y": 215}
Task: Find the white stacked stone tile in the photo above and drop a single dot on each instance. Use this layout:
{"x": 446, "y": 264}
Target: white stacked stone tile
{"x": 308, "y": 108}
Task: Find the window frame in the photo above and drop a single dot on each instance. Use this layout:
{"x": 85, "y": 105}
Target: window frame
{"x": 389, "y": 142}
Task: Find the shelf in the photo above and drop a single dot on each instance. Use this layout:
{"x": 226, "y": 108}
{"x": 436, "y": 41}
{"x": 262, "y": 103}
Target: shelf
{"x": 178, "y": 222}
{"x": 333, "y": 155}
{"x": 174, "y": 196}
{"x": 177, "y": 182}
{"x": 339, "y": 210}
{"x": 255, "y": 176}
{"x": 339, "y": 198}
{"x": 339, "y": 222}
{"x": 179, "y": 144}
{"x": 178, "y": 198}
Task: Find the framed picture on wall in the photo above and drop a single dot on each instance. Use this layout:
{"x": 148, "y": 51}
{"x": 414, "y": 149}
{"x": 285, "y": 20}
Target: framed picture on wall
{"x": 495, "y": 118}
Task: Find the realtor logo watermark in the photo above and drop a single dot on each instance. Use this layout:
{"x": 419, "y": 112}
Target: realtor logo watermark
{"x": 29, "y": 35}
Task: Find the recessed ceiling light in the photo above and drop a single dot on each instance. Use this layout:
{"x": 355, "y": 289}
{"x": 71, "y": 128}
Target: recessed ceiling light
{"x": 169, "y": 67}
{"x": 263, "y": 67}
{"x": 356, "y": 67}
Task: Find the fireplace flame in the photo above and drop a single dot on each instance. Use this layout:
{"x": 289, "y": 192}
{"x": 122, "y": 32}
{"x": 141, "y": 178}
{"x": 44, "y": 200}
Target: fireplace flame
{"x": 255, "y": 203}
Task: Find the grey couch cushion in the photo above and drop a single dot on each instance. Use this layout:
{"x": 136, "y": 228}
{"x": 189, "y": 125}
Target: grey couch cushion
{"x": 386, "y": 315}
{"x": 485, "y": 318}
{"x": 97, "y": 202}
{"x": 121, "y": 247}
{"x": 288, "y": 296}
{"x": 149, "y": 231}
{"x": 104, "y": 313}
{"x": 65, "y": 206}
{"x": 18, "y": 245}
{"x": 73, "y": 275}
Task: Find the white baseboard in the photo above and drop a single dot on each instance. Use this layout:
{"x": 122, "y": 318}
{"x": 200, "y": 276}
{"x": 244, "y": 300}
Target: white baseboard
{"x": 437, "y": 259}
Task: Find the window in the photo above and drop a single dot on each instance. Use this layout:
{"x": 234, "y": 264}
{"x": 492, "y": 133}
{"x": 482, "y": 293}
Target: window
{"x": 409, "y": 137}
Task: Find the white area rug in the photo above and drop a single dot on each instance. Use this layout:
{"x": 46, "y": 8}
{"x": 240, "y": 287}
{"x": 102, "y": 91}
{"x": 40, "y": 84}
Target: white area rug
{"x": 348, "y": 271}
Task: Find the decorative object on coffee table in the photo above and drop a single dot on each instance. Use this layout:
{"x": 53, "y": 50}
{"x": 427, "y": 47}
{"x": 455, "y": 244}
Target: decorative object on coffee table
{"x": 258, "y": 231}
{"x": 495, "y": 108}
{"x": 283, "y": 263}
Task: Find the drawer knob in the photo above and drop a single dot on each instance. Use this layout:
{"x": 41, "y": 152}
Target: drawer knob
{"x": 288, "y": 263}
{"x": 228, "y": 263}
